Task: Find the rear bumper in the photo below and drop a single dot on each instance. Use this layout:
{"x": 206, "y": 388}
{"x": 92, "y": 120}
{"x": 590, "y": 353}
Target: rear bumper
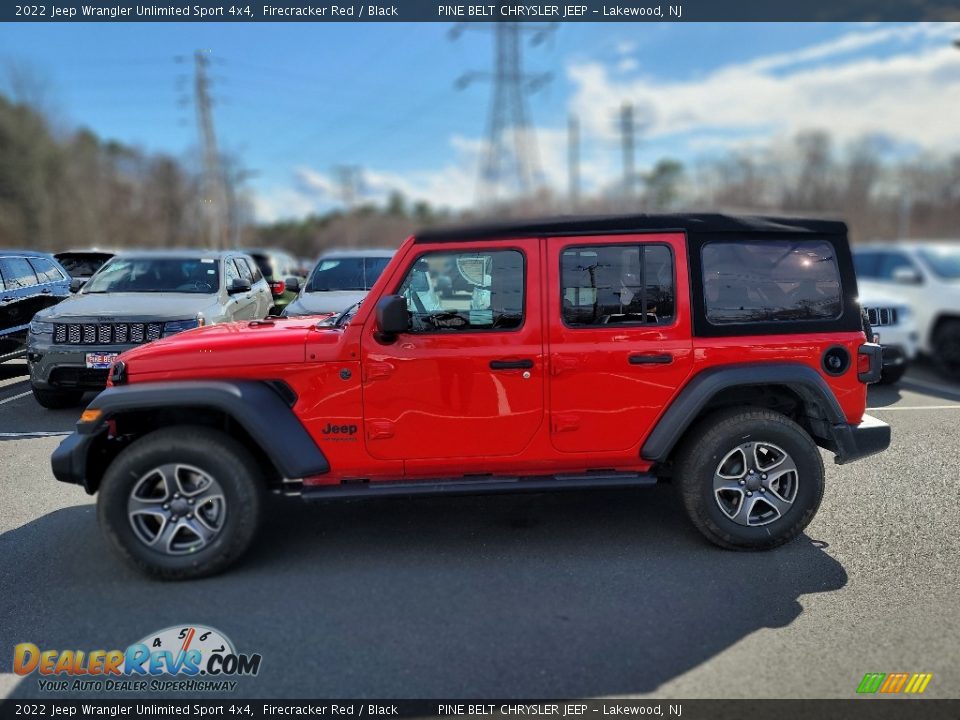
{"x": 853, "y": 442}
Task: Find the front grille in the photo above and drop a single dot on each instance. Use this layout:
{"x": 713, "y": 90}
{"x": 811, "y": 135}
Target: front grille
{"x": 84, "y": 378}
{"x": 882, "y": 316}
{"x": 106, "y": 333}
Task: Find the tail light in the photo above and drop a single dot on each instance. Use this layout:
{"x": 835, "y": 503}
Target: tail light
{"x": 869, "y": 363}
{"x": 278, "y": 288}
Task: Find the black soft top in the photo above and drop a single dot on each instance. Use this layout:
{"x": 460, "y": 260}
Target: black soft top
{"x": 694, "y": 224}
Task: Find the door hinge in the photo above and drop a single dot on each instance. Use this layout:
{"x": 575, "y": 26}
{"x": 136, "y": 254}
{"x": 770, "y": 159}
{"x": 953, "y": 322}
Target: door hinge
{"x": 377, "y": 371}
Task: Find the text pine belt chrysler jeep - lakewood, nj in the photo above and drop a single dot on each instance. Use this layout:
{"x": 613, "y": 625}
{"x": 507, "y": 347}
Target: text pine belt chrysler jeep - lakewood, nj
{"x": 711, "y": 351}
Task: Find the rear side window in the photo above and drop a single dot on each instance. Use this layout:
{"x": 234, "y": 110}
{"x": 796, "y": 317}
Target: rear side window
{"x": 617, "y": 285}
{"x": 17, "y": 273}
{"x": 46, "y": 271}
{"x": 245, "y": 270}
{"x": 448, "y": 291}
{"x": 770, "y": 281}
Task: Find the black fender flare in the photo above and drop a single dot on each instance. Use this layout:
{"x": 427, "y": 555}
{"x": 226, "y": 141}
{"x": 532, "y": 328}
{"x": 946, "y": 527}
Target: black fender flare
{"x": 697, "y": 393}
{"x": 260, "y": 409}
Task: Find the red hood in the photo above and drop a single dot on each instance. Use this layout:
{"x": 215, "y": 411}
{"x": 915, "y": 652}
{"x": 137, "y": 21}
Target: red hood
{"x": 228, "y": 345}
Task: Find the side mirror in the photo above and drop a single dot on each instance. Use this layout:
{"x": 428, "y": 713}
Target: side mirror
{"x": 76, "y": 285}
{"x": 392, "y": 316}
{"x": 907, "y": 276}
{"x": 292, "y": 284}
{"x": 238, "y": 285}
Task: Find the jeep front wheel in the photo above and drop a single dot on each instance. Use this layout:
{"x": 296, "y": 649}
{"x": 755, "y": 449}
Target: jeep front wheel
{"x": 750, "y": 479}
{"x": 181, "y": 503}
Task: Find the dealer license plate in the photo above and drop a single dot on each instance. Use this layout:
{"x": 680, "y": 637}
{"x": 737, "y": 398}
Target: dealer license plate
{"x": 100, "y": 361}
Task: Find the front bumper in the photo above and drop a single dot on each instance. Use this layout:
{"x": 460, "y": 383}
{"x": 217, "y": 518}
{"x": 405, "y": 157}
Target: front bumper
{"x": 853, "y": 442}
{"x": 70, "y": 460}
{"x": 62, "y": 367}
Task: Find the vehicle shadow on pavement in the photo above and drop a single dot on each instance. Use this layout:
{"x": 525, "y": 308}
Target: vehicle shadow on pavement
{"x": 567, "y": 595}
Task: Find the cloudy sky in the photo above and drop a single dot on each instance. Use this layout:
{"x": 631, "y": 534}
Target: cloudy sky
{"x": 295, "y": 100}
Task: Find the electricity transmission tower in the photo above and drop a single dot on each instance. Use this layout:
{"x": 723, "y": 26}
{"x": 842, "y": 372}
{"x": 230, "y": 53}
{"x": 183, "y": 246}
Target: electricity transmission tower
{"x": 510, "y": 164}
{"x": 632, "y": 121}
{"x": 214, "y": 194}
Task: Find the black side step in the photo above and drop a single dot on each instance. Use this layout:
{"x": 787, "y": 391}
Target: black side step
{"x": 481, "y": 486}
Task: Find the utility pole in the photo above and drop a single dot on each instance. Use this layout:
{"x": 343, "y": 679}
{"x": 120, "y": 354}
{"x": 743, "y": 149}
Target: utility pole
{"x": 349, "y": 181}
{"x": 573, "y": 158}
{"x": 510, "y": 163}
{"x": 214, "y": 195}
{"x": 628, "y": 146}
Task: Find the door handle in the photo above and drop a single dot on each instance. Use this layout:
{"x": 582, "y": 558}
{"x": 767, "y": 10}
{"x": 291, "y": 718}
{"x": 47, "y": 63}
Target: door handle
{"x": 511, "y": 364}
{"x": 46, "y": 291}
{"x": 650, "y": 359}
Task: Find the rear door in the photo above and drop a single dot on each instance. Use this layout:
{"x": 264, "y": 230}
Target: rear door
{"x": 619, "y": 342}
{"x": 21, "y": 297}
{"x": 53, "y": 284}
{"x": 467, "y": 380}
{"x": 246, "y": 306}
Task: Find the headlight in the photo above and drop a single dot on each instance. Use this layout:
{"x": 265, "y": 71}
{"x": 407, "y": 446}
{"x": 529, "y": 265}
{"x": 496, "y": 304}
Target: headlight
{"x": 177, "y": 326}
{"x": 41, "y": 327}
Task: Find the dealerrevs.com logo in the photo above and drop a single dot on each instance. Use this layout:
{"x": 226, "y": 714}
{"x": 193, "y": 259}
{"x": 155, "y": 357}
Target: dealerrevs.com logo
{"x": 198, "y": 657}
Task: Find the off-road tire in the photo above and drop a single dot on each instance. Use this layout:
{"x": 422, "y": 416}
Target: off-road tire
{"x": 946, "y": 348}
{"x": 57, "y": 399}
{"x": 211, "y": 451}
{"x": 706, "y": 445}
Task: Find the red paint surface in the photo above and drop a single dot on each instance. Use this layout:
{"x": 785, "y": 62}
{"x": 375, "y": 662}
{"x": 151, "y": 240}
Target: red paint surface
{"x": 430, "y": 406}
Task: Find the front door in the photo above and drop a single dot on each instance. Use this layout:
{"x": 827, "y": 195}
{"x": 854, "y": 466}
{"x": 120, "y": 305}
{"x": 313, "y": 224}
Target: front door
{"x": 467, "y": 380}
{"x": 622, "y": 345}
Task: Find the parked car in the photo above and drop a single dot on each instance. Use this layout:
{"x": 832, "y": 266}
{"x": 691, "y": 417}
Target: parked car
{"x": 82, "y": 264}
{"x": 924, "y": 275}
{"x": 894, "y": 328}
{"x": 282, "y": 271}
{"x": 340, "y": 279}
{"x": 137, "y": 297}
{"x": 29, "y": 282}
{"x": 596, "y": 353}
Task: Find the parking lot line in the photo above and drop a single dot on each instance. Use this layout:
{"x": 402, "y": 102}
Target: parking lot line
{"x": 15, "y": 397}
{"x": 915, "y": 407}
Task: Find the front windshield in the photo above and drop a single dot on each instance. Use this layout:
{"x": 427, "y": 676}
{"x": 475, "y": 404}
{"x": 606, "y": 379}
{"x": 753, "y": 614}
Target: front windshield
{"x": 149, "y": 275}
{"x": 945, "y": 262}
{"x": 346, "y": 273}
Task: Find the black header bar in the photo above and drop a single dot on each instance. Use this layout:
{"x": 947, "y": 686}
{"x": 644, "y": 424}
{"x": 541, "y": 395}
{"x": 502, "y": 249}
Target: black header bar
{"x": 480, "y": 11}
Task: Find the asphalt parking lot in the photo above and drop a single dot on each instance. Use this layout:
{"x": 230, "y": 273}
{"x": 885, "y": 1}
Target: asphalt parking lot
{"x": 570, "y": 595}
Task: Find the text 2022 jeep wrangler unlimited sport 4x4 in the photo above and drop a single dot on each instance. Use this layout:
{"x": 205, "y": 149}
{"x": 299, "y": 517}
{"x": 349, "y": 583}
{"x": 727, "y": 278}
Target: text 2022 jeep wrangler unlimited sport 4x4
{"x": 575, "y": 353}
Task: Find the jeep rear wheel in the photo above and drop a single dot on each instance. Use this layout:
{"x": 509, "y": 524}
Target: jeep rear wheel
{"x": 750, "y": 479}
{"x": 181, "y": 503}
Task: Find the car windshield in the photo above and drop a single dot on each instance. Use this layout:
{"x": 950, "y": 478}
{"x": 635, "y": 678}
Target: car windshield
{"x": 346, "y": 273}
{"x": 167, "y": 274}
{"x": 82, "y": 265}
{"x": 945, "y": 262}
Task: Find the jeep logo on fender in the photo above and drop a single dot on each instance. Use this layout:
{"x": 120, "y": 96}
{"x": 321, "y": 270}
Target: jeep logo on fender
{"x": 332, "y": 429}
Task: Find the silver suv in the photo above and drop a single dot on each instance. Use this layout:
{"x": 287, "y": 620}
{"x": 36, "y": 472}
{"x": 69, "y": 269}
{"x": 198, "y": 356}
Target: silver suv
{"x": 133, "y": 299}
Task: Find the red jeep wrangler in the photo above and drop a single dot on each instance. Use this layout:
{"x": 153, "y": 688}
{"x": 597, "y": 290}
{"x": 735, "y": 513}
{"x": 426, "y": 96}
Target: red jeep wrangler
{"x": 576, "y": 353}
